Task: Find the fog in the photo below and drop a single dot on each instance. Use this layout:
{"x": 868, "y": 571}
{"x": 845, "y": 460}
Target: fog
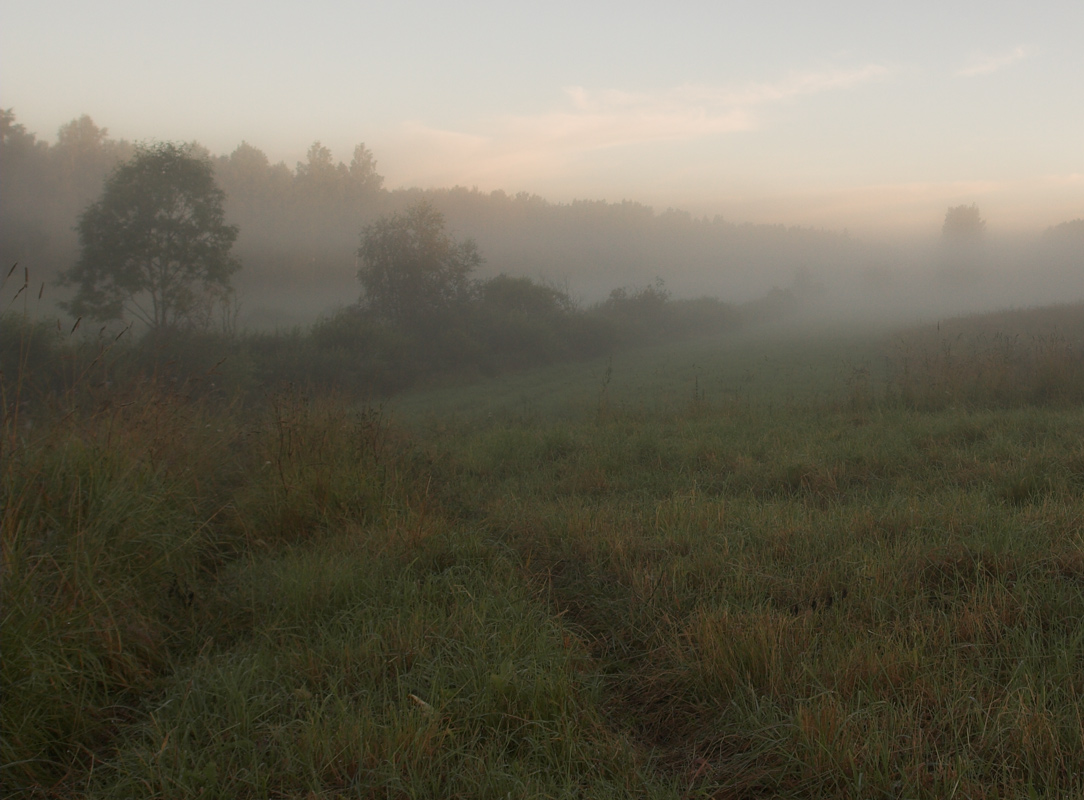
{"x": 300, "y": 225}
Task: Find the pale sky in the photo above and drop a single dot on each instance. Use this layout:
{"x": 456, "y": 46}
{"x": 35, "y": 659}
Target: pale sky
{"x": 870, "y": 116}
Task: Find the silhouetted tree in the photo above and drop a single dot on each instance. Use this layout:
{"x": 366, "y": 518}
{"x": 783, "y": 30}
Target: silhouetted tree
{"x": 318, "y": 178}
{"x": 25, "y": 161}
{"x": 155, "y": 245}
{"x": 412, "y": 268}
{"x": 1063, "y": 245}
{"x": 962, "y": 243}
{"x": 963, "y": 222}
{"x": 80, "y": 148}
{"x": 15, "y": 140}
{"x": 1071, "y": 231}
{"x": 363, "y": 175}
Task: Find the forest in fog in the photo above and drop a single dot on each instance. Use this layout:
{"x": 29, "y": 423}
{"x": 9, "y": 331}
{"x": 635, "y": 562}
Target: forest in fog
{"x": 299, "y": 233}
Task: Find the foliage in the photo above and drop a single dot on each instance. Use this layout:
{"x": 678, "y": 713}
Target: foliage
{"x": 412, "y": 269}
{"x": 299, "y": 227}
{"x": 155, "y": 246}
{"x": 362, "y": 171}
{"x": 508, "y": 324}
{"x": 524, "y": 296}
{"x": 648, "y": 300}
{"x": 963, "y": 223}
{"x": 650, "y": 315}
{"x": 47, "y": 186}
{"x": 1071, "y": 230}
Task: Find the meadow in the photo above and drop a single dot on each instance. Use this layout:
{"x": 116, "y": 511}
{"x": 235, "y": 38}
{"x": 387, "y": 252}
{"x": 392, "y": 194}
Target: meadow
{"x": 775, "y": 563}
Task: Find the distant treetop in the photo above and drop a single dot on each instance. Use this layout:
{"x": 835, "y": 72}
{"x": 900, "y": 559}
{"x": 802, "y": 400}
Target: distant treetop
{"x": 963, "y": 222}
{"x": 155, "y": 246}
{"x": 1073, "y": 229}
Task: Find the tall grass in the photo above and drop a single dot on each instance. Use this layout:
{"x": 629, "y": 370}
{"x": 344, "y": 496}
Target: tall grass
{"x": 1005, "y": 359}
{"x": 613, "y": 592}
{"x": 119, "y": 509}
{"x": 103, "y": 531}
{"x": 821, "y": 608}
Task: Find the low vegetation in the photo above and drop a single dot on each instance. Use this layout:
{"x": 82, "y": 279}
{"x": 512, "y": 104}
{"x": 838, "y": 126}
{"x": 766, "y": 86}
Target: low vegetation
{"x": 753, "y": 565}
{"x": 1012, "y": 358}
{"x": 502, "y": 325}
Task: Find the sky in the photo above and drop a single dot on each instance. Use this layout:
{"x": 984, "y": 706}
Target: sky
{"x": 872, "y": 117}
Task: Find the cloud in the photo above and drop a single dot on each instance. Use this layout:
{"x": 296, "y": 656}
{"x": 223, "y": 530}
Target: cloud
{"x": 590, "y": 121}
{"x": 986, "y": 65}
{"x": 804, "y": 83}
{"x": 684, "y": 112}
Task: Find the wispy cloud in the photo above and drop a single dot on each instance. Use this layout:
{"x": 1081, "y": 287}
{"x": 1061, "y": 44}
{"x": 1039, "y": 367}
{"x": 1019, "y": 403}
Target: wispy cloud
{"x": 683, "y": 112}
{"x": 597, "y": 120}
{"x": 613, "y": 117}
{"x": 984, "y": 65}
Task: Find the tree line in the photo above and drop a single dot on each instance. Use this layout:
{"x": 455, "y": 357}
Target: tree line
{"x": 294, "y": 224}
{"x": 155, "y": 248}
{"x": 406, "y": 298}
{"x": 298, "y": 227}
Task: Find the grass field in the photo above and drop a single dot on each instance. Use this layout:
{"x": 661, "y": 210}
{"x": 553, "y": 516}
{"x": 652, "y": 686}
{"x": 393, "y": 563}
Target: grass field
{"x": 800, "y": 564}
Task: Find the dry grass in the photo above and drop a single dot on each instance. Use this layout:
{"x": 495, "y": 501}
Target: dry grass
{"x": 1005, "y": 359}
{"x": 698, "y": 600}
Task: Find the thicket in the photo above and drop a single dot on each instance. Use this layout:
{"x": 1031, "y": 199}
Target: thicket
{"x": 491, "y": 326}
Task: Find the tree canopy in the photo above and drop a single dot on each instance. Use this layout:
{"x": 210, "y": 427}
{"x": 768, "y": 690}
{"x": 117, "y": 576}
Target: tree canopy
{"x": 155, "y": 246}
{"x": 963, "y": 222}
{"x": 412, "y": 268}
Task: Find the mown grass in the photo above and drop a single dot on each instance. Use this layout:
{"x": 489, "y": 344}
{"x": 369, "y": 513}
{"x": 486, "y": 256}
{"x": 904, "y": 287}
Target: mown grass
{"x": 733, "y": 569}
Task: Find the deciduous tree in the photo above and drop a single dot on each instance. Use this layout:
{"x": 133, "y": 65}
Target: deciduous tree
{"x": 155, "y": 246}
{"x": 963, "y": 223}
{"x": 411, "y": 268}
